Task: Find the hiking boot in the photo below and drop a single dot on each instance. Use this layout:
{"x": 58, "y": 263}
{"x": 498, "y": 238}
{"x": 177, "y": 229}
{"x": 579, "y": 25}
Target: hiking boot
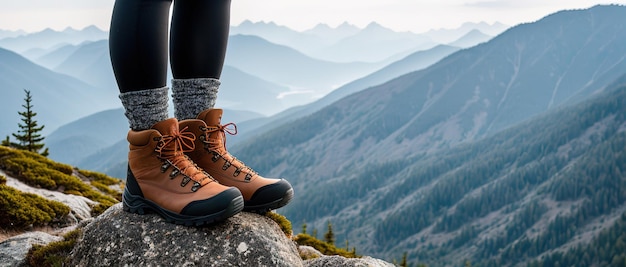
{"x": 260, "y": 194}
{"x": 161, "y": 178}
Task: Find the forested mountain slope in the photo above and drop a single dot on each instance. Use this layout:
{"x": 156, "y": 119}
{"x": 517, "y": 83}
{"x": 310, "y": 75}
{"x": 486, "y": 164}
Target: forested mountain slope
{"x": 549, "y": 184}
{"x": 395, "y": 167}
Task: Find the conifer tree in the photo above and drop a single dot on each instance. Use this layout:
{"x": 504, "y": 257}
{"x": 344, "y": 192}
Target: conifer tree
{"x": 28, "y": 136}
{"x": 329, "y": 237}
{"x": 404, "y": 262}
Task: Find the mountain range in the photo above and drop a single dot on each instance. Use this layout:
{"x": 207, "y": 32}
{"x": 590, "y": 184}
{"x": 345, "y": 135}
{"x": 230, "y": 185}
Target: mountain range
{"x": 374, "y": 43}
{"x": 350, "y": 160}
{"x": 339, "y": 43}
{"x": 33, "y": 45}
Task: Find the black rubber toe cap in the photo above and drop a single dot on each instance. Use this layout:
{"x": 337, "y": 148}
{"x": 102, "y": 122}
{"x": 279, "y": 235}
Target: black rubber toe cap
{"x": 212, "y": 205}
{"x": 271, "y": 196}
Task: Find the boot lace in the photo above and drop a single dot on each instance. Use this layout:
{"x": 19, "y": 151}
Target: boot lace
{"x": 171, "y": 149}
{"x": 217, "y": 146}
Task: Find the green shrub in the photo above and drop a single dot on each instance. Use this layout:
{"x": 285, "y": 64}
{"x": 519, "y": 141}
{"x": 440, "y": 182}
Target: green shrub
{"x": 100, "y": 177}
{"x": 19, "y": 210}
{"x": 7, "y": 152}
{"x": 285, "y": 225}
{"x": 30, "y": 172}
{"x": 107, "y": 190}
{"x": 3, "y": 180}
{"x": 55, "y": 253}
{"x": 323, "y": 247}
{"x": 38, "y": 171}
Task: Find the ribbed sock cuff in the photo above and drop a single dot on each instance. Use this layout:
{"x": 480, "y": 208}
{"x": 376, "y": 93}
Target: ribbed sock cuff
{"x": 192, "y": 96}
{"x": 145, "y": 108}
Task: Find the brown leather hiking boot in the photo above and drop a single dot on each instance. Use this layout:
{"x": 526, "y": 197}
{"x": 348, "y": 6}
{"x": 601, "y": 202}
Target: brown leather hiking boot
{"x": 161, "y": 178}
{"x": 260, "y": 194}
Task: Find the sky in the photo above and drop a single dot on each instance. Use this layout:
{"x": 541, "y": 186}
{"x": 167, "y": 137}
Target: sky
{"x": 401, "y": 15}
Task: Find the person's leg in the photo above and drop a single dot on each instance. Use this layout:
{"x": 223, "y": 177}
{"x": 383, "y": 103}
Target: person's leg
{"x": 138, "y": 42}
{"x": 160, "y": 177}
{"x": 198, "y": 47}
{"x": 198, "y": 41}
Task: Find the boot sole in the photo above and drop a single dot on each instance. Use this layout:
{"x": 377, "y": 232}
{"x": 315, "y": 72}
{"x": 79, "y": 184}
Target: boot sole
{"x": 139, "y": 205}
{"x": 265, "y": 208}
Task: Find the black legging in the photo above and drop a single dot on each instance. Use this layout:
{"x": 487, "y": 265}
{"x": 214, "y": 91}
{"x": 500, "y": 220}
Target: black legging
{"x": 138, "y": 41}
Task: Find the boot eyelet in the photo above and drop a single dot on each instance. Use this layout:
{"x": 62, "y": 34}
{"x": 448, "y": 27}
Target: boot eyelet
{"x": 237, "y": 172}
{"x": 195, "y": 187}
{"x": 174, "y": 173}
{"x": 216, "y": 157}
{"x": 226, "y": 165}
{"x": 248, "y": 177}
{"x": 164, "y": 167}
{"x": 185, "y": 181}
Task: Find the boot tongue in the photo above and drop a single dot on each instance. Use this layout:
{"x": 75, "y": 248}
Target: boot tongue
{"x": 212, "y": 117}
{"x": 167, "y": 127}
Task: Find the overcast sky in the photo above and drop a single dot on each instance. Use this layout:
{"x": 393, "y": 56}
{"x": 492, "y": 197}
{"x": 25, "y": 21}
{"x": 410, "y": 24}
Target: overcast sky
{"x": 401, "y": 15}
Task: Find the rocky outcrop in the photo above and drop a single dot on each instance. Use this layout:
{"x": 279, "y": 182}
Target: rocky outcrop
{"x": 14, "y": 250}
{"x": 118, "y": 238}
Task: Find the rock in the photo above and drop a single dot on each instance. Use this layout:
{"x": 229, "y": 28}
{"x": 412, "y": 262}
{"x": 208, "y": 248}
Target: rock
{"x": 118, "y": 238}
{"x": 307, "y": 252}
{"x": 327, "y": 261}
{"x": 314, "y": 258}
{"x": 14, "y": 250}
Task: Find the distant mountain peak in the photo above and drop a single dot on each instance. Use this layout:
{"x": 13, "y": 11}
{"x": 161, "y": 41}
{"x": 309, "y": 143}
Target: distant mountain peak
{"x": 92, "y": 28}
{"x": 69, "y": 30}
{"x": 250, "y": 25}
{"x": 246, "y": 22}
{"x": 474, "y": 32}
{"x": 346, "y": 24}
{"x": 375, "y": 26}
{"x": 48, "y": 30}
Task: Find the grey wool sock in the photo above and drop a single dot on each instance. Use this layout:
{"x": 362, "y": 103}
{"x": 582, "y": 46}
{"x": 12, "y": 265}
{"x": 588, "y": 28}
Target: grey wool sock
{"x": 145, "y": 108}
{"x": 192, "y": 96}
